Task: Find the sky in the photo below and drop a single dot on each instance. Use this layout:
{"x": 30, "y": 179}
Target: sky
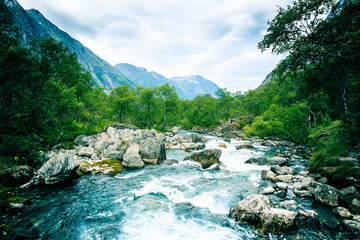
{"x": 216, "y": 39}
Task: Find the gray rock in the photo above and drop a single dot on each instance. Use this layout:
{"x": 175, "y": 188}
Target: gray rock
{"x": 280, "y": 186}
{"x": 342, "y": 212}
{"x": 348, "y": 161}
{"x": 348, "y": 194}
{"x": 206, "y": 158}
{"x": 61, "y": 167}
{"x": 303, "y": 193}
{"x": 149, "y": 151}
{"x": 16, "y": 176}
{"x": 277, "y": 221}
{"x": 267, "y": 175}
{"x": 268, "y": 190}
{"x": 79, "y": 139}
{"x": 326, "y": 194}
{"x": 283, "y": 178}
{"x": 132, "y": 159}
{"x": 353, "y": 227}
{"x": 283, "y": 170}
{"x": 101, "y": 145}
{"x": 86, "y": 152}
{"x": 274, "y": 161}
{"x": 250, "y": 208}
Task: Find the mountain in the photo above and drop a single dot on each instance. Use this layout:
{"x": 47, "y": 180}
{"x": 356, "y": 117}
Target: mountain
{"x": 32, "y": 24}
{"x": 186, "y": 87}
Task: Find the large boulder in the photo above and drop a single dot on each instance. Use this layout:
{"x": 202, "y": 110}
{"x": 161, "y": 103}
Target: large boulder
{"x": 250, "y": 208}
{"x": 276, "y": 220}
{"x": 117, "y": 149}
{"x": 206, "y": 158}
{"x": 61, "y": 167}
{"x": 326, "y": 194}
{"x": 132, "y": 159}
{"x": 104, "y": 167}
{"x": 16, "y": 176}
{"x": 152, "y": 151}
{"x": 101, "y": 145}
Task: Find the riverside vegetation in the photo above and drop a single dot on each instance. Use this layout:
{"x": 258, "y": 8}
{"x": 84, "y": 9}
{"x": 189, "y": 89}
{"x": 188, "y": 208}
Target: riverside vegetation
{"x": 312, "y": 98}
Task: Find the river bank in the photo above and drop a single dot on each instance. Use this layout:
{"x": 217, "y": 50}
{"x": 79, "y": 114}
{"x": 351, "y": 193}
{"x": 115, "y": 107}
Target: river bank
{"x": 173, "y": 198}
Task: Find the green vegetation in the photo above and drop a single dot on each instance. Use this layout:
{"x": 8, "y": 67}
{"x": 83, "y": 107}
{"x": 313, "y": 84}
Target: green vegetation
{"x": 313, "y": 97}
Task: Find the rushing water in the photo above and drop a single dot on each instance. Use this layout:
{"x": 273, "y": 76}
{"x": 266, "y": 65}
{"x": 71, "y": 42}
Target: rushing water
{"x": 180, "y": 201}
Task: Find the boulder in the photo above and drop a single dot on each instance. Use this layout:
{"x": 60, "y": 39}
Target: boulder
{"x": 277, "y": 221}
{"x": 283, "y": 170}
{"x": 79, "y": 140}
{"x": 120, "y": 126}
{"x": 86, "y": 152}
{"x": 104, "y": 167}
{"x": 274, "y": 161}
{"x": 280, "y": 186}
{"x": 101, "y": 145}
{"x": 132, "y": 159}
{"x": 268, "y": 190}
{"x": 61, "y": 167}
{"x": 267, "y": 175}
{"x": 244, "y": 146}
{"x": 283, "y": 178}
{"x": 118, "y": 149}
{"x": 303, "y": 193}
{"x": 326, "y": 194}
{"x": 323, "y": 180}
{"x": 353, "y": 227}
{"x": 250, "y": 208}
{"x": 222, "y": 145}
{"x": 206, "y": 158}
{"x": 280, "y": 194}
{"x": 150, "y": 151}
{"x": 16, "y": 176}
{"x": 342, "y": 212}
{"x": 348, "y": 194}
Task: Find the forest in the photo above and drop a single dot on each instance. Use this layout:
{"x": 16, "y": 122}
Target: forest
{"x": 313, "y": 97}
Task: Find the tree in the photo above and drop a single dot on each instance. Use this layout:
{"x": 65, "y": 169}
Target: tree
{"x": 169, "y": 100}
{"x": 121, "y": 99}
{"x": 321, "y": 38}
{"x": 148, "y": 101}
{"x": 226, "y": 102}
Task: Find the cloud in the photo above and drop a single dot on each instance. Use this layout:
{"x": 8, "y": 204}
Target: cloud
{"x": 216, "y": 39}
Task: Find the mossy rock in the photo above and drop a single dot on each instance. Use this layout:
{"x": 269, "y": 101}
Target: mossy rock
{"x": 104, "y": 167}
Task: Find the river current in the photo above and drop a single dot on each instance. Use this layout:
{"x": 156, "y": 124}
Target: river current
{"x": 162, "y": 202}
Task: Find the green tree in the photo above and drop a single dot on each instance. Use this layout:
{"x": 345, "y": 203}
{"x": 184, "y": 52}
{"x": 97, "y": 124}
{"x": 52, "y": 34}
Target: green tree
{"x": 169, "y": 101}
{"x": 121, "y": 99}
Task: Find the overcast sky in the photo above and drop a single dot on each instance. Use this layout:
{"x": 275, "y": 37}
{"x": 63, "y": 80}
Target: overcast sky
{"x": 213, "y": 38}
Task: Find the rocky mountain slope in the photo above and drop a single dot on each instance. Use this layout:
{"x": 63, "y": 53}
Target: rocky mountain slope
{"x": 187, "y": 87}
{"x": 32, "y": 24}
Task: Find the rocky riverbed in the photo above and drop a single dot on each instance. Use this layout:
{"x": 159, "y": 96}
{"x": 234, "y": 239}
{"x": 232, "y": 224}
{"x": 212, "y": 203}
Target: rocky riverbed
{"x": 187, "y": 181}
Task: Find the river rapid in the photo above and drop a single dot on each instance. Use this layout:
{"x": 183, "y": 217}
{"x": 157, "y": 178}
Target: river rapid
{"x": 162, "y": 202}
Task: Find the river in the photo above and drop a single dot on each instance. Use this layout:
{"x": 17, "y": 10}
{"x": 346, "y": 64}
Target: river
{"x": 162, "y": 202}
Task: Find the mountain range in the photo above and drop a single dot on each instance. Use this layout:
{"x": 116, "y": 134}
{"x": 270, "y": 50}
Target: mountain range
{"x": 32, "y": 24}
